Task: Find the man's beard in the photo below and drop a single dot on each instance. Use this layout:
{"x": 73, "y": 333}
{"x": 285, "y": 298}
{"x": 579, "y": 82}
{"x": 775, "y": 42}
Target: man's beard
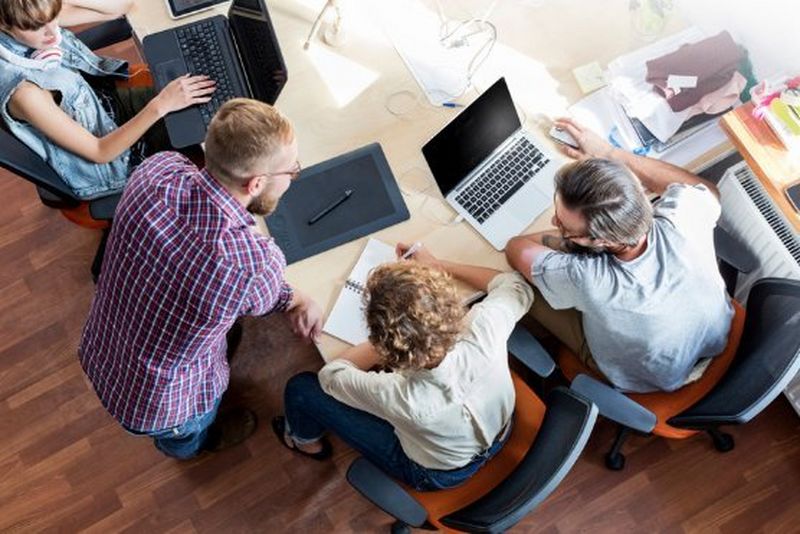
{"x": 262, "y": 205}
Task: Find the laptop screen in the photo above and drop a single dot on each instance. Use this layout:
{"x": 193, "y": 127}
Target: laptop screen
{"x": 474, "y": 134}
{"x": 258, "y": 48}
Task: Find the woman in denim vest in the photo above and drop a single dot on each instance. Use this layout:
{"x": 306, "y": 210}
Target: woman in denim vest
{"x": 91, "y": 136}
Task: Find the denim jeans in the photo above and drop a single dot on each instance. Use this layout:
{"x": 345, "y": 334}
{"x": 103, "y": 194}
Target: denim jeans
{"x": 185, "y": 440}
{"x": 310, "y": 412}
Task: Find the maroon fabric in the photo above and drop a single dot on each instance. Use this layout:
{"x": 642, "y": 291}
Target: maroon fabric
{"x": 713, "y": 61}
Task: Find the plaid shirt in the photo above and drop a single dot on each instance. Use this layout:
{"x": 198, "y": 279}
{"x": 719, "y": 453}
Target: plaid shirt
{"x": 181, "y": 264}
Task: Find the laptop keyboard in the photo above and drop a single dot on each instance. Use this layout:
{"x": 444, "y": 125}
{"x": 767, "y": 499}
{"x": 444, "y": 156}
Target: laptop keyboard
{"x": 201, "y": 51}
{"x": 498, "y": 182}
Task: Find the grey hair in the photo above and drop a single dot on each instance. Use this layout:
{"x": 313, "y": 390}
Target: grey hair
{"x": 609, "y": 197}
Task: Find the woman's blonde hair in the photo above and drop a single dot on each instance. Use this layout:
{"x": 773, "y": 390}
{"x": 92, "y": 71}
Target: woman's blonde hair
{"x": 414, "y": 314}
{"x": 27, "y": 14}
{"x": 241, "y": 135}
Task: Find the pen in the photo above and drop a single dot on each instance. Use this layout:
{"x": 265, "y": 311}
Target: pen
{"x": 452, "y": 105}
{"x": 330, "y": 207}
{"x": 411, "y": 250}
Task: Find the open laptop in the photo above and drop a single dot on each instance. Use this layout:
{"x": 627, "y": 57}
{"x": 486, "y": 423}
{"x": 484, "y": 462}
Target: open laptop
{"x": 240, "y": 52}
{"x": 491, "y": 170}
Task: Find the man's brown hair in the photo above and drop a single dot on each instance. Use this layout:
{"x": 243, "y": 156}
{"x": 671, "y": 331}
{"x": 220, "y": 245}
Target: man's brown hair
{"x": 241, "y": 135}
{"x": 414, "y": 314}
{"x": 27, "y": 14}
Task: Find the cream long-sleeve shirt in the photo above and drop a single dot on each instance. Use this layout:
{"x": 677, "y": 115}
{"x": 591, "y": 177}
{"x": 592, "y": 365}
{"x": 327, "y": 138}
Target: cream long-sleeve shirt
{"x": 444, "y": 416}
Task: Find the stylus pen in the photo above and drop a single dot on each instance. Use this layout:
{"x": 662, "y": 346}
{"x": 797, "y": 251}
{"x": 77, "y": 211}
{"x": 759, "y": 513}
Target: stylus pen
{"x": 413, "y": 249}
{"x": 330, "y": 207}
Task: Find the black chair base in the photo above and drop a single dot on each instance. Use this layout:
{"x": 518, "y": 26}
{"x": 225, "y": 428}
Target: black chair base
{"x": 398, "y": 527}
{"x": 97, "y": 262}
{"x": 723, "y": 441}
{"x": 615, "y": 460}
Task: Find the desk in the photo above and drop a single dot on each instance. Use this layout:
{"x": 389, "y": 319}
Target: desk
{"x": 337, "y": 98}
{"x": 766, "y": 156}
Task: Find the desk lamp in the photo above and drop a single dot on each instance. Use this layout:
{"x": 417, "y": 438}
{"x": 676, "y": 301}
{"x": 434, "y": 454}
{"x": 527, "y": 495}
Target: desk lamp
{"x": 334, "y": 33}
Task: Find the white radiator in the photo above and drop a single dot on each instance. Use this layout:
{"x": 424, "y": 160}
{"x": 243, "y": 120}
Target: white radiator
{"x": 749, "y": 213}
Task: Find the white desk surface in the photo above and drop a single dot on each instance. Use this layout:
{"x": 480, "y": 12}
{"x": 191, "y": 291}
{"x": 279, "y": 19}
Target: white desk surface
{"x": 337, "y": 100}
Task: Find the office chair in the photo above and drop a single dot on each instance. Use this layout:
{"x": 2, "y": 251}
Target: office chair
{"x": 544, "y": 444}
{"x": 762, "y": 356}
{"x": 16, "y": 157}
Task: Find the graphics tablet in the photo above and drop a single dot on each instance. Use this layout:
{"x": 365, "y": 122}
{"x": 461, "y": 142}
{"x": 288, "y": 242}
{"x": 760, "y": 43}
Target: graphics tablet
{"x": 374, "y": 202}
{"x": 182, "y": 8}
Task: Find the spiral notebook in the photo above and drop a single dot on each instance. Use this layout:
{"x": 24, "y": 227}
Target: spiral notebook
{"x": 346, "y": 320}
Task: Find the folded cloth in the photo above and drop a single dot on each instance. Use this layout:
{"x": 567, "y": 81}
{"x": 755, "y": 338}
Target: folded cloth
{"x": 711, "y": 61}
{"x": 720, "y": 100}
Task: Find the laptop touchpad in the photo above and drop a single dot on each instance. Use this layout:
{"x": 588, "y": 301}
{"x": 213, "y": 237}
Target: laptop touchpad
{"x": 169, "y": 70}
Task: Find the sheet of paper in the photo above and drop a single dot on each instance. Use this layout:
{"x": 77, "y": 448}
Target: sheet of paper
{"x": 346, "y": 320}
{"x": 437, "y": 56}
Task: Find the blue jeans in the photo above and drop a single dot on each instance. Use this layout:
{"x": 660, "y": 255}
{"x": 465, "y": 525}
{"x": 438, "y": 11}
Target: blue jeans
{"x": 310, "y": 412}
{"x": 185, "y": 440}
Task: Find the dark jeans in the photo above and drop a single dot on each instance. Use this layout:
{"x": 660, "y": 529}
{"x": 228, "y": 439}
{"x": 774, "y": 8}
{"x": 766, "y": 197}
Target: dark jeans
{"x": 185, "y": 440}
{"x": 310, "y": 412}
{"x": 130, "y": 101}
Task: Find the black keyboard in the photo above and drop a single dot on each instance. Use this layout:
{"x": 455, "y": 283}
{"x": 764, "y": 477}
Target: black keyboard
{"x": 201, "y": 51}
{"x": 497, "y": 183}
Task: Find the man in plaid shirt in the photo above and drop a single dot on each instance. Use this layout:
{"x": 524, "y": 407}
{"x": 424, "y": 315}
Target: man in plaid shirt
{"x": 182, "y": 263}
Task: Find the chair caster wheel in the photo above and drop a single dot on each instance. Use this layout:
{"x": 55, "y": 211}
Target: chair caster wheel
{"x": 615, "y": 462}
{"x": 398, "y": 527}
{"x": 723, "y": 442}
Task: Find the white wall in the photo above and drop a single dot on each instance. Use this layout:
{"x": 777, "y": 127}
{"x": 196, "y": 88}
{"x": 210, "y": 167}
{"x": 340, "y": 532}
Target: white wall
{"x": 769, "y": 29}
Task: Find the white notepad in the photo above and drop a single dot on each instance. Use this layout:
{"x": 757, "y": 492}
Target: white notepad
{"x": 346, "y": 320}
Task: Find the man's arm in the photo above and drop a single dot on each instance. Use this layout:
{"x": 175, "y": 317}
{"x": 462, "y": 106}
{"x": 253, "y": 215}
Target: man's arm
{"x": 305, "y": 316}
{"x": 654, "y": 174}
{"x": 521, "y": 251}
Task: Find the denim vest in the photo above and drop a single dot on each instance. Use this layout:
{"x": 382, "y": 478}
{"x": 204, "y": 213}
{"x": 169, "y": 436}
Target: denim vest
{"x": 78, "y": 100}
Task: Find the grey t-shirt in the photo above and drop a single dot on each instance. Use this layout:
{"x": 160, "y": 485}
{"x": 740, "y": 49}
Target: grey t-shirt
{"x": 648, "y": 321}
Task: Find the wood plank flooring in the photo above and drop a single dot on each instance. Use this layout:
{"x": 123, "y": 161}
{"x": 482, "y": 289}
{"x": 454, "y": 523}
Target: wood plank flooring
{"x": 66, "y": 466}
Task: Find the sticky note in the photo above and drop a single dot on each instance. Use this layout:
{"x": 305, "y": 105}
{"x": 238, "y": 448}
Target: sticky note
{"x": 590, "y": 77}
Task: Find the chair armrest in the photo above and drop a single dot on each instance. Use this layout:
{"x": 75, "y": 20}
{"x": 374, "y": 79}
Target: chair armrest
{"x": 106, "y": 34}
{"x": 380, "y": 489}
{"x": 103, "y": 208}
{"x": 614, "y": 405}
{"x": 525, "y": 348}
{"x": 733, "y": 251}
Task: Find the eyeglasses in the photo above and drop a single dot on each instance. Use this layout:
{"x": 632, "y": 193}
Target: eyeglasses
{"x": 293, "y": 173}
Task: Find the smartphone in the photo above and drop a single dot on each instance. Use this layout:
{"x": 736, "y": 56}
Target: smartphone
{"x": 793, "y": 194}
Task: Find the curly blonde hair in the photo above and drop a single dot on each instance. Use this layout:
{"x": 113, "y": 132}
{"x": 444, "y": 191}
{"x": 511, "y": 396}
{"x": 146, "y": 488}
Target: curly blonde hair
{"x": 414, "y": 314}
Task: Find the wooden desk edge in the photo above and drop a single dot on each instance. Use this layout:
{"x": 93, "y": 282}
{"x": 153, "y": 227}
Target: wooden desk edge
{"x": 743, "y": 139}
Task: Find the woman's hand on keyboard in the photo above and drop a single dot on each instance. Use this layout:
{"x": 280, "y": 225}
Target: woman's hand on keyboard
{"x": 183, "y": 92}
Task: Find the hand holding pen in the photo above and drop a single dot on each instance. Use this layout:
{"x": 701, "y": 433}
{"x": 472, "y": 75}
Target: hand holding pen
{"x": 417, "y": 252}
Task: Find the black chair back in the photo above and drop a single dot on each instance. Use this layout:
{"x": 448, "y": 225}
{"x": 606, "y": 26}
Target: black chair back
{"x": 767, "y": 359}
{"x": 567, "y": 424}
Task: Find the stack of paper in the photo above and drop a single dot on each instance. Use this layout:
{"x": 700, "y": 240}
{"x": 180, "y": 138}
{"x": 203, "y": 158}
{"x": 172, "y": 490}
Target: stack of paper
{"x": 629, "y": 102}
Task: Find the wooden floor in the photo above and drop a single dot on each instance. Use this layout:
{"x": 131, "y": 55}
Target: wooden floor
{"x": 65, "y": 465}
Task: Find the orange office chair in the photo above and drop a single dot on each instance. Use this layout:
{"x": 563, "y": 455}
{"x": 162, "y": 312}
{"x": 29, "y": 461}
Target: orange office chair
{"x": 545, "y": 442}
{"x": 762, "y": 356}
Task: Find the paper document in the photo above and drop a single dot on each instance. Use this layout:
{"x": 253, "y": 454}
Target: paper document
{"x": 602, "y": 114}
{"x": 346, "y": 320}
{"x": 439, "y": 62}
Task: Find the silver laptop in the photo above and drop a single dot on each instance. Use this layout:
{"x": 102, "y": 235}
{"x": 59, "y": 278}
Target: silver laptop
{"x": 491, "y": 170}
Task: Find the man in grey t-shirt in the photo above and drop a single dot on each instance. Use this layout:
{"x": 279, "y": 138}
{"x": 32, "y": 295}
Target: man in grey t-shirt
{"x": 632, "y": 289}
